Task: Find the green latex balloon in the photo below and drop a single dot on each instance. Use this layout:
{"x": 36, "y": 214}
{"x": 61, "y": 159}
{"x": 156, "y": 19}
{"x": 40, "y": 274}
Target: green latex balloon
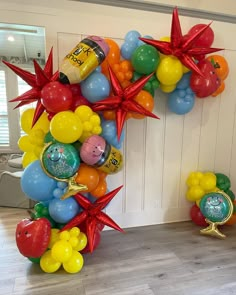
{"x": 215, "y": 207}
{"x": 222, "y": 181}
{"x": 230, "y": 194}
{"x": 34, "y": 260}
{"x": 145, "y": 59}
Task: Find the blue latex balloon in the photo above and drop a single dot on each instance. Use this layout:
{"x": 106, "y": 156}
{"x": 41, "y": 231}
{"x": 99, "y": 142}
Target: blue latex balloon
{"x": 127, "y": 49}
{"x": 179, "y": 103}
{"x": 132, "y": 36}
{"x": 58, "y": 193}
{"x": 96, "y": 87}
{"x": 109, "y": 133}
{"x": 140, "y": 42}
{"x": 184, "y": 82}
{"x": 62, "y": 184}
{"x": 63, "y": 211}
{"x": 36, "y": 184}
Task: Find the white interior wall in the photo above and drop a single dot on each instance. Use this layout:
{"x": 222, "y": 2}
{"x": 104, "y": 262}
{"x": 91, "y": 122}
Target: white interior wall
{"x": 159, "y": 154}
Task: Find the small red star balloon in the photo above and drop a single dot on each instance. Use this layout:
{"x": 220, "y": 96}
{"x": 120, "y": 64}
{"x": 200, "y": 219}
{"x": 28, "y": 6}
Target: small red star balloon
{"x": 123, "y": 100}
{"x": 182, "y": 46}
{"x": 37, "y": 81}
{"x": 93, "y": 215}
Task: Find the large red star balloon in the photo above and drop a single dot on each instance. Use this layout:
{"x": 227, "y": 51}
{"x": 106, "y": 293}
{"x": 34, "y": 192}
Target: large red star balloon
{"x": 93, "y": 215}
{"x": 123, "y": 100}
{"x": 182, "y": 46}
{"x": 37, "y": 81}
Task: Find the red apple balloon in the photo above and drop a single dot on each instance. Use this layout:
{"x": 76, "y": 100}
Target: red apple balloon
{"x": 206, "y": 84}
{"x": 33, "y": 236}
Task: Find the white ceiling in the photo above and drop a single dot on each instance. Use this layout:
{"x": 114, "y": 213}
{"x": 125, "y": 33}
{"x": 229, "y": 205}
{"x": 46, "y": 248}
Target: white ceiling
{"x": 29, "y": 41}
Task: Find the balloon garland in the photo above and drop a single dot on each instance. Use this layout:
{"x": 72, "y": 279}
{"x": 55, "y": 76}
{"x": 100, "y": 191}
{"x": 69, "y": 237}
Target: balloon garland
{"x": 214, "y": 201}
{"x": 74, "y": 134}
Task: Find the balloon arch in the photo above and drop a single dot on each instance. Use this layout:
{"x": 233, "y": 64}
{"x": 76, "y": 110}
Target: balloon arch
{"x": 74, "y": 134}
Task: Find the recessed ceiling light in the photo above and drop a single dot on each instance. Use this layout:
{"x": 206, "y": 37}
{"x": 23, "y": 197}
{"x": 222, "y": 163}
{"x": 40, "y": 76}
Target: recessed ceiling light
{"x": 10, "y": 38}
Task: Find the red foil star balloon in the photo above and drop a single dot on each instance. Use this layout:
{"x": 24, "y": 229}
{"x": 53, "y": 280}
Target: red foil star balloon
{"x": 37, "y": 81}
{"x": 93, "y": 215}
{"x": 123, "y": 100}
{"x": 182, "y": 46}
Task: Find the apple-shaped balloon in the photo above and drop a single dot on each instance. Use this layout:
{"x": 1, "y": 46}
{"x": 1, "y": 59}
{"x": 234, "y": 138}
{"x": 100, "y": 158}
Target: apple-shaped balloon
{"x": 33, "y": 236}
{"x": 206, "y": 84}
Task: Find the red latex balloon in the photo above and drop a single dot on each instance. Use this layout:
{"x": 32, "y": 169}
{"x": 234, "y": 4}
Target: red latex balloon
{"x": 97, "y": 238}
{"x": 75, "y": 89}
{"x": 79, "y": 100}
{"x": 197, "y": 216}
{"x": 206, "y": 38}
{"x": 56, "y": 97}
{"x": 206, "y": 84}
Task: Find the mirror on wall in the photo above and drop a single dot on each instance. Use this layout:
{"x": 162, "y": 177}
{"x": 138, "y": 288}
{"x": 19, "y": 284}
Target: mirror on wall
{"x": 20, "y": 44}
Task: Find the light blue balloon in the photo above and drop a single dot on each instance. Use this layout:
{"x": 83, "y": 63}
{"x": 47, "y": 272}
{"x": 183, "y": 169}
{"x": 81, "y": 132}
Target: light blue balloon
{"x": 132, "y": 36}
{"x": 127, "y": 49}
{"x": 180, "y": 104}
{"x": 140, "y": 42}
{"x": 96, "y": 87}
{"x": 58, "y": 193}
{"x": 184, "y": 82}
{"x": 62, "y": 184}
{"x": 36, "y": 184}
{"x": 109, "y": 133}
{"x": 62, "y": 211}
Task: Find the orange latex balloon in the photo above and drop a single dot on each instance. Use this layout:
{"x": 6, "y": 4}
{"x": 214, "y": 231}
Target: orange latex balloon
{"x": 219, "y": 90}
{"x": 109, "y": 115}
{"x": 100, "y": 190}
{"x": 146, "y": 100}
{"x": 102, "y": 174}
{"x": 112, "y": 57}
{"x": 88, "y": 176}
{"x": 232, "y": 220}
{"x": 220, "y": 64}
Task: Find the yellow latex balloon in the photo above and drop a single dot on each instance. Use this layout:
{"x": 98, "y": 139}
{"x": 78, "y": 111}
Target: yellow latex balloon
{"x": 66, "y": 127}
{"x": 167, "y": 88}
{"x": 194, "y": 178}
{"x": 48, "y": 264}
{"x": 54, "y": 237}
{"x": 24, "y": 144}
{"x": 61, "y": 251}
{"x": 27, "y": 158}
{"x": 185, "y": 69}
{"x": 84, "y": 112}
{"x": 75, "y": 263}
{"x": 208, "y": 181}
{"x": 36, "y": 137}
{"x": 169, "y": 71}
{"x": 74, "y": 231}
{"x": 82, "y": 243}
{"x": 195, "y": 193}
{"x": 26, "y": 120}
{"x": 165, "y": 38}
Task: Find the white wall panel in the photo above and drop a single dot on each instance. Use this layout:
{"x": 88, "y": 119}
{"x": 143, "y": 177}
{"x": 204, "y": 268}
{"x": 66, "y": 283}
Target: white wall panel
{"x": 158, "y": 154}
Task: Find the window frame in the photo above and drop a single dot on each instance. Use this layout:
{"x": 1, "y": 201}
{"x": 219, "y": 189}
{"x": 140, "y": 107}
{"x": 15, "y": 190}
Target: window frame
{"x": 13, "y": 114}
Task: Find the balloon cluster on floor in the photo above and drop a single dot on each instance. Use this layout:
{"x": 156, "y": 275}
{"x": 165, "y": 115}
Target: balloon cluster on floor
{"x": 73, "y": 137}
{"x": 214, "y": 201}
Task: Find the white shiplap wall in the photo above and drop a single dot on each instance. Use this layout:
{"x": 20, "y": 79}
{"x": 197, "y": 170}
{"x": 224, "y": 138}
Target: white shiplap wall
{"x": 159, "y": 154}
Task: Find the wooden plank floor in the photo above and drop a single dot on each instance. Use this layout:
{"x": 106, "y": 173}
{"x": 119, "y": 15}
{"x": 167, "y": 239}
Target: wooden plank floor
{"x": 162, "y": 259}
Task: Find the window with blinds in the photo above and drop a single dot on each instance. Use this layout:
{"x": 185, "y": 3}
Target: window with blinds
{"x": 4, "y": 126}
{"x": 9, "y": 117}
